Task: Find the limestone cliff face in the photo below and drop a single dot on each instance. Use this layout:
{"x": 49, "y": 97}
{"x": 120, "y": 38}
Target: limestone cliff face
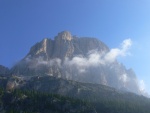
{"x": 75, "y": 58}
{"x": 43, "y": 48}
{"x": 65, "y": 45}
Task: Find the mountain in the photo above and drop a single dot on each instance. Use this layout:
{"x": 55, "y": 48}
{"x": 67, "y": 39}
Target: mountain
{"x": 70, "y": 74}
{"x": 3, "y": 70}
{"x": 76, "y": 58}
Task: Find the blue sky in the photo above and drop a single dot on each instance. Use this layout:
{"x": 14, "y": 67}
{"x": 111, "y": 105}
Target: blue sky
{"x": 25, "y": 22}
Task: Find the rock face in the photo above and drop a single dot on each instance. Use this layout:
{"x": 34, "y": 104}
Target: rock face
{"x": 65, "y": 45}
{"x": 74, "y": 58}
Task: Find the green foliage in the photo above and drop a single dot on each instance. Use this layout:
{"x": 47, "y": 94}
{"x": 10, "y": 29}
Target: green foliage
{"x": 33, "y": 102}
{"x": 30, "y": 101}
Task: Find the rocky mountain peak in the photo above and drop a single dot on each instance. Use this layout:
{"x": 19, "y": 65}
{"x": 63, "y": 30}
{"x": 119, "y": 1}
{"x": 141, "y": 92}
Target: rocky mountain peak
{"x": 64, "y": 35}
{"x": 80, "y": 59}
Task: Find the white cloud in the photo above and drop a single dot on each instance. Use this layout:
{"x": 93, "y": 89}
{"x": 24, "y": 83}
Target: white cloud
{"x": 82, "y": 63}
{"x": 126, "y": 44}
{"x": 124, "y": 78}
{"x": 34, "y": 63}
{"x": 41, "y": 61}
{"x": 96, "y": 58}
{"x": 142, "y": 86}
{"x": 112, "y": 55}
{"x": 116, "y": 52}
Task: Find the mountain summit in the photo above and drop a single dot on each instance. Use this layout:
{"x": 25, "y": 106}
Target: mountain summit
{"x": 65, "y": 45}
{"x": 65, "y": 35}
{"x": 76, "y": 58}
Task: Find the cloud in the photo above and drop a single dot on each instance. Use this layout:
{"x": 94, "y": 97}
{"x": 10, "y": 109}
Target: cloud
{"x": 124, "y": 78}
{"x": 35, "y": 62}
{"x": 126, "y": 44}
{"x": 93, "y": 59}
{"x": 96, "y": 58}
{"x": 142, "y": 88}
{"x": 142, "y": 85}
{"x": 112, "y": 55}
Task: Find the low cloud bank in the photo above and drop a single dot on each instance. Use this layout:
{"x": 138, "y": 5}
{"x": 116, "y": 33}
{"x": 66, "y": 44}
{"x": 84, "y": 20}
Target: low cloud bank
{"x": 95, "y": 58}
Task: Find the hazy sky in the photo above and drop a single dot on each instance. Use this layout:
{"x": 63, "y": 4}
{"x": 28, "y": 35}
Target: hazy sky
{"x": 25, "y": 22}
